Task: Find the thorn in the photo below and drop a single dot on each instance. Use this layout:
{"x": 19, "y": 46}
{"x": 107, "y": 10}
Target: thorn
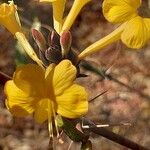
{"x": 97, "y": 96}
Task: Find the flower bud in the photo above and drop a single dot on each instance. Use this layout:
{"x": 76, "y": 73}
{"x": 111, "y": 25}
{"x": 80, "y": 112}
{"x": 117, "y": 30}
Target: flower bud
{"x": 73, "y": 57}
{"x": 54, "y": 40}
{"x": 53, "y": 55}
{"x": 65, "y": 42}
{"x": 39, "y": 39}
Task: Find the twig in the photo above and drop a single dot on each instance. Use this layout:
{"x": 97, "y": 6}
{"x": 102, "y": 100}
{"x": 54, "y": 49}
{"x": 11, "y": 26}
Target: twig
{"x": 104, "y": 75}
{"x": 4, "y": 77}
{"x": 114, "y": 137}
{"x": 106, "y": 125}
{"x": 91, "y": 100}
{"x": 69, "y": 148}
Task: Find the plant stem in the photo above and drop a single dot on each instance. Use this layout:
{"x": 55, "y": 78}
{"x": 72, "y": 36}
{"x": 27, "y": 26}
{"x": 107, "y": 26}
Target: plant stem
{"x": 113, "y": 136}
{"x": 104, "y": 75}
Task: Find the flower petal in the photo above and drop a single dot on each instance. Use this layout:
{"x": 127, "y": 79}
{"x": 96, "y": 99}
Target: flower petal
{"x": 49, "y": 80}
{"x": 58, "y": 11}
{"x": 27, "y": 47}
{"x": 30, "y": 79}
{"x": 120, "y": 10}
{"x": 73, "y": 102}
{"x": 41, "y": 111}
{"x": 75, "y": 9}
{"x": 137, "y": 32}
{"x": 100, "y": 44}
{"x": 47, "y": 0}
{"x": 18, "y": 102}
{"x": 9, "y": 18}
{"x": 64, "y": 75}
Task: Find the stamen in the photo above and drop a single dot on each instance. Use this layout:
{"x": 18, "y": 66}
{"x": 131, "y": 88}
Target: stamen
{"x": 50, "y": 126}
{"x": 4, "y": 9}
{"x": 54, "y": 114}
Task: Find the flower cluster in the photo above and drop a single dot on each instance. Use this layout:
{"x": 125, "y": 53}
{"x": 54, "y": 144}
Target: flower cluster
{"x": 46, "y": 92}
{"x": 48, "y": 88}
{"x": 134, "y": 30}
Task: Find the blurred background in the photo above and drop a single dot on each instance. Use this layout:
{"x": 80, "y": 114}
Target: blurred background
{"x": 117, "y": 105}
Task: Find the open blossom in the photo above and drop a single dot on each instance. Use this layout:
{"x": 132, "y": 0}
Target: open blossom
{"x": 9, "y": 18}
{"x": 46, "y": 92}
{"x": 134, "y": 30}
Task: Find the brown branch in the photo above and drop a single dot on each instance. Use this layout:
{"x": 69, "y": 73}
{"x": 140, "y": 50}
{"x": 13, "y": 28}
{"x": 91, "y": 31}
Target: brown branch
{"x": 113, "y": 136}
{"x": 117, "y": 138}
{"x": 104, "y": 75}
{"x": 91, "y": 100}
{"x": 4, "y": 78}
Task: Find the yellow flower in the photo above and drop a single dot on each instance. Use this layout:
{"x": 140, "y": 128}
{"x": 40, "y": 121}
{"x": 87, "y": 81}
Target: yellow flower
{"x": 46, "y": 92}
{"x": 58, "y": 10}
{"x": 61, "y": 24}
{"x": 27, "y": 47}
{"x": 137, "y": 30}
{"x": 134, "y": 30}
{"x": 9, "y": 18}
{"x": 75, "y": 9}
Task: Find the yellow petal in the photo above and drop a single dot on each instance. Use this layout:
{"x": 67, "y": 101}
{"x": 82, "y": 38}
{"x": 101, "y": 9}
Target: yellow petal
{"x": 120, "y": 10}
{"x": 100, "y": 44}
{"x": 73, "y": 102}
{"x": 47, "y": 0}
{"x": 41, "y": 111}
{"x": 77, "y": 6}
{"x": 58, "y": 11}
{"x": 64, "y": 75}
{"x": 8, "y": 18}
{"x": 18, "y": 102}
{"x": 49, "y": 80}
{"x": 137, "y": 32}
{"x": 30, "y": 79}
{"x": 27, "y": 47}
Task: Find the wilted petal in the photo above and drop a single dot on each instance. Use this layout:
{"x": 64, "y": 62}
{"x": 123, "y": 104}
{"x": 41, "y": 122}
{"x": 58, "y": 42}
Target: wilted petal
{"x": 64, "y": 75}
{"x": 41, "y": 110}
{"x": 137, "y": 32}
{"x": 30, "y": 79}
{"x": 120, "y": 10}
{"x": 73, "y": 102}
{"x": 18, "y": 102}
